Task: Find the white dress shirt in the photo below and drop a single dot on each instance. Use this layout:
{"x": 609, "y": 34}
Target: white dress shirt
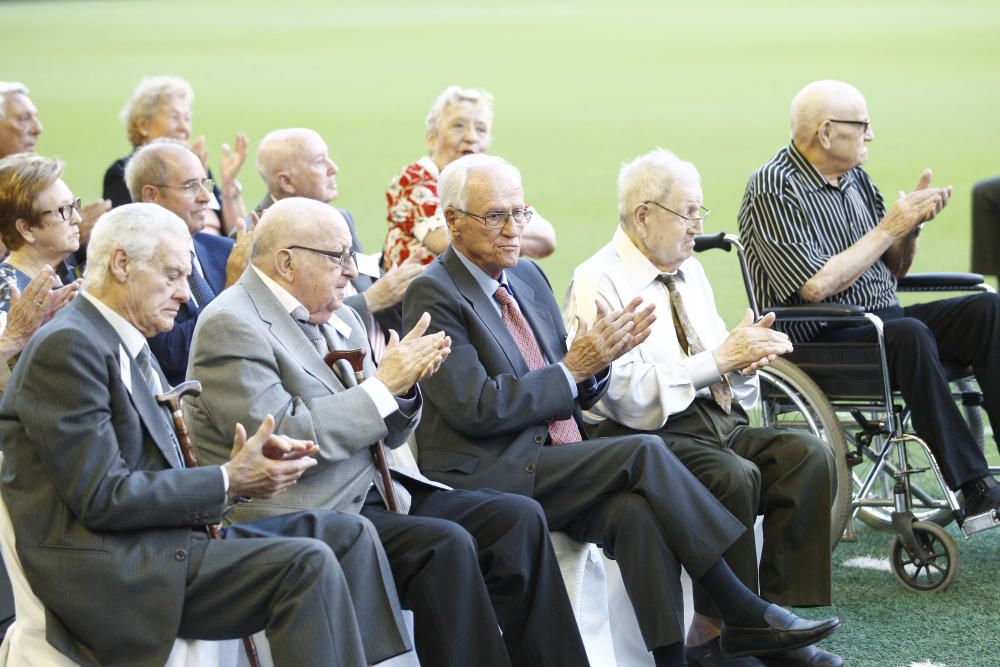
{"x": 655, "y": 379}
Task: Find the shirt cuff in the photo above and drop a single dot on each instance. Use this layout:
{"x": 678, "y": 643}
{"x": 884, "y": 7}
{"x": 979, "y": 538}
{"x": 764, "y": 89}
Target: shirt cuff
{"x": 703, "y": 370}
{"x": 383, "y": 399}
{"x": 225, "y": 479}
{"x": 569, "y": 378}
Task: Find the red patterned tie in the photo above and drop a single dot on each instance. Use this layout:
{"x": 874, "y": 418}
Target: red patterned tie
{"x": 691, "y": 343}
{"x": 562, "y": 431}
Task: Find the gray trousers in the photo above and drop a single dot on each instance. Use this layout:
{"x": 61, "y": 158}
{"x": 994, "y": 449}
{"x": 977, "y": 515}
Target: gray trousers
{"x": 775, "y": 472}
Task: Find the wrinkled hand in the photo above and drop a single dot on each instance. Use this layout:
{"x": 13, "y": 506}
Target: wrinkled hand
{"x": 413, "y": 358}
{"x": 199, "y": 148}
{"x": 917, "y": 207}
{"x": 266, "y": 464}
{"x": 239, "y": 256}
{"x": 388, "y": 290}
{"x": 612, "y": 335}
{"x": 232, "y": 162}
{"x": 35, "y": 307}
{"x": 751, "y": 346}
{"x": 90, "y": 213}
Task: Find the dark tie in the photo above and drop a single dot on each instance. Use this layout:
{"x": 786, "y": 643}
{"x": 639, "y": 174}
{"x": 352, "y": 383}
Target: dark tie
{"x": 200, "y": 289}
{"x": 312, "y": 331}
{"x": 561, "y": 431}
{"x": 722, "y": 393}
{"x": 156, "y": 383}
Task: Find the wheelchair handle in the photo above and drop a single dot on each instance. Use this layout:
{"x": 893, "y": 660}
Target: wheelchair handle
{"x": 704, "y": 242}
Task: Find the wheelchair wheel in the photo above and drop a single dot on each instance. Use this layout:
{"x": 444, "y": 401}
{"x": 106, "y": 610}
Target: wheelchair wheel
{"x": 936, "y": 573}
{"x": 789, "y": 399}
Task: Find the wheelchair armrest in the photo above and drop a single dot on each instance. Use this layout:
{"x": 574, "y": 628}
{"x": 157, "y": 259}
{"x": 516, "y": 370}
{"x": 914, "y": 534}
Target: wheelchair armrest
{"x": 704, "y": 242}
{"x": 826, "y": 311}
{"x": 929, "y": 282}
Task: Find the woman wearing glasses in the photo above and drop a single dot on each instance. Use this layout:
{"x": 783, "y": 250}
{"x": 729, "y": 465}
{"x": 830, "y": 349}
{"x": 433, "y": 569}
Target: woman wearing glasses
{"x": 460, "y": 123}
{"x": 39, "y": 223}
{"x": 160, "y": 108}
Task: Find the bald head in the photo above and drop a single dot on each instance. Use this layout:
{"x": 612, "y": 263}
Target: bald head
{"x": 295, "y": 162}
{"x": 830, "y": 127}
{"x": 819, "y": 101}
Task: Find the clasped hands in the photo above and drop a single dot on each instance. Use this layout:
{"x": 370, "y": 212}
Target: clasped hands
{"x": 751, "y": 345}
{"x": 917, "y": 207}
{"x": 414, "y": 357}
{"x": 612, "y": 335}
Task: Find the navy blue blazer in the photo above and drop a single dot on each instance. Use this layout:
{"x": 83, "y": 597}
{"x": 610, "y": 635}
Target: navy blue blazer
{"x": 172, "y": 348}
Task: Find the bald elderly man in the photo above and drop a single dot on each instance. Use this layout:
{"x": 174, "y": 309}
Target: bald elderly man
{"x": 295, "y": 162}
{"x": 817, "y": 230}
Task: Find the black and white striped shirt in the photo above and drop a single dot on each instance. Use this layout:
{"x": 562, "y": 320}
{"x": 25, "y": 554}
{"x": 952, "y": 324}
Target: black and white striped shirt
{"x": 792, "y": 220}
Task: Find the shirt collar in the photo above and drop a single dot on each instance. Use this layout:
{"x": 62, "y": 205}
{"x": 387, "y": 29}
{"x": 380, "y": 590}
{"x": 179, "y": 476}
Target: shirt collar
{"x": 639, "y": 270}
{"x": 132, "y": 338}
{"x": 486, "y": 282}
{"x": 289, "y": 303}
{"x": 811, "y": 176}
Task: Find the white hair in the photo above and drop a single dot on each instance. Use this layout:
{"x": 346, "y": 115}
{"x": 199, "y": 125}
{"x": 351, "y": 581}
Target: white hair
{"x": 7, "y": 88}
{"x": 137, "y": 229}
{"x": 816, "y": 102}
{"x": 455, "y": 95}
{"x": 650, "y": 177}
{"x": 451, "y": 182}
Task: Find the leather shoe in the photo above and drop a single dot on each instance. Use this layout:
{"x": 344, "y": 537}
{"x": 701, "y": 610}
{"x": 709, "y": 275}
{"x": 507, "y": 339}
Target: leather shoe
{"x": 710, "y": 655}
{"x": 784, "y": 631}
{"x": 808, "y": 656}
{"x": 981, "y": 496}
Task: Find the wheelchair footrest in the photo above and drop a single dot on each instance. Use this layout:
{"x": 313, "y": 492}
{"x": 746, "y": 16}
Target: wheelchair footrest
{"x": 980, "y": 522}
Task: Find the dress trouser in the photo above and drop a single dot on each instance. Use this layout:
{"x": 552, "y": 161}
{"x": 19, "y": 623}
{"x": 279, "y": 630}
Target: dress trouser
{"x": 471, "y": 564}
{"x": 963, "y": 330}
{"x": 774, "y": 472}
{"x": 292, "y": 587}
{"x": 633, "y": 498}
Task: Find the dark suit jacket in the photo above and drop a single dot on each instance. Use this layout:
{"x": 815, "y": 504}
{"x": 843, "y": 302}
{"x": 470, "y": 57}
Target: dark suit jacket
{"x": 101, "y": 517}
{"x": 172, "y": 348}
{"x": 485, "y": 414}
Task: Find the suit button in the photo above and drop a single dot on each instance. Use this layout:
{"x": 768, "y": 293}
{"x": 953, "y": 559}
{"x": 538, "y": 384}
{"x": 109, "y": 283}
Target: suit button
{"x": 357, "y": 499}
{"x": 180, "y": 554}
{"x": 539, "y": 439}
{"x": 530, "y": 467}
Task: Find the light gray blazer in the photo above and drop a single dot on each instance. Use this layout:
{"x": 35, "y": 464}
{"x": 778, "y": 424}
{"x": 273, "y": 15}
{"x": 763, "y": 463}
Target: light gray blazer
{"x": 253, "y": 360}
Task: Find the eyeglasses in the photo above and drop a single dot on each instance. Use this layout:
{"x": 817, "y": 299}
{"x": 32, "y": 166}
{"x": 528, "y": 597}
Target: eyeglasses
{"x": 65, "y": 211}
{"x": 342, "y": 258}
{"x": 865, "y": 124}
{"x": 690, "y": 221}
{"x": 191, "y": 187}
{"x": 498, "y": 219}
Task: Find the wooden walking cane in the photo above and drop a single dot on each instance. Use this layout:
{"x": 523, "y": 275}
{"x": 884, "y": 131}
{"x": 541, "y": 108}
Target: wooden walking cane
{"x": 172, "y": 399}
{"x": 356, "y": 358}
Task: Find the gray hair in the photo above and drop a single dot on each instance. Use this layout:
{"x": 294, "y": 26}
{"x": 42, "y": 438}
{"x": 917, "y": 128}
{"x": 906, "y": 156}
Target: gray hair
{"x": 455, "y": 95}
{"x": 137, "y": 229}
{"x": 649, "y": 177}
{"x": 146, "y": 100}
{"x": 451, "y": 182}
{"x": 149, "y": 166}
{"x": 6, "y": 88}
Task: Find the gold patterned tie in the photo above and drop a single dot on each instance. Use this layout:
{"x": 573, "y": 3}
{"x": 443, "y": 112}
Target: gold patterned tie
{"x": 561, "y": 431}
{"x": 722, "y": 393}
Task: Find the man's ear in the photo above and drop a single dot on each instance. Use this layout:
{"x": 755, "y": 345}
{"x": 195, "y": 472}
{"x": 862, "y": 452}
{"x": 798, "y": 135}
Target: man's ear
{"x": 451, "y": 220}
{"x": 283, "y": 265}
{"x": 285, "y": 184}
{"x": 149, "y": 194}
{"x": 639, "y": 213}
{"x": 119, "y": 264}
{"x": 825, "y": 134}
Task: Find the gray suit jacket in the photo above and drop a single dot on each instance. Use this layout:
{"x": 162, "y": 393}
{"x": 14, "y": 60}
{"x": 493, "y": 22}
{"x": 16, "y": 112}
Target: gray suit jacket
{"x": 101, "y": 515}
{"x": 486, "y": 414}
{"x": 253, "y": 360}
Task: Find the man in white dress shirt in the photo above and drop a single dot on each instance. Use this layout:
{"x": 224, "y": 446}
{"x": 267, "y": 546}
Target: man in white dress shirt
{"x": 690, "y": 383}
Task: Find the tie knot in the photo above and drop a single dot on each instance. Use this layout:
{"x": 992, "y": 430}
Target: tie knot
{"x": 503, "y": 296}
{"x": 667, "y": 279}
{"x": 301, "y": 315}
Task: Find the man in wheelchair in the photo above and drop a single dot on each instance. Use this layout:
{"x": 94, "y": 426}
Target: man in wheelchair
{"x": 816, "y": 230}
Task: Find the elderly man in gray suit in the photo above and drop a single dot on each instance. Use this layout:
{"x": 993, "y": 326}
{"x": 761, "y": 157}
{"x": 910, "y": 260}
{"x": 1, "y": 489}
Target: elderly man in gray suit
{"x": 470, "y": 564}
{"x": 110, "y": 525}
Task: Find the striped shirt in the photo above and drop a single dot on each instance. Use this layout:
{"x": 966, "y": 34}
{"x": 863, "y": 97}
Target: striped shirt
{"x": 792, "y": 221}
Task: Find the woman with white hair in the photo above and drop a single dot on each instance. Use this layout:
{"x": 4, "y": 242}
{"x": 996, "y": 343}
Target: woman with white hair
{"x": 160, "y": 107}
{"x": 460, "y": 123}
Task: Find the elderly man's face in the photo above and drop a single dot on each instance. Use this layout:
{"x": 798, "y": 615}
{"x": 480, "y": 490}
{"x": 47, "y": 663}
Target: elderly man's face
{"x": 20, "y": 126}
{"x": 171, "y": 121}
{"x": 848, "y": 141}
{"x": 53, "y": 236}
{"x": 669, "y": 239}
{"x": 313, "y": 174}
{"x": 319, "y": 280}
{"x": 183, "y": 193}
{"x": 462, "y": 129}
{"x": 490, "y": 189}
{"x": 155, "y": 290}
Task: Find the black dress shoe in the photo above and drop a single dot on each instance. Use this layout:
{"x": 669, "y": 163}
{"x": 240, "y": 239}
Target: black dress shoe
{"x": 981, "y": 496}
{"x": 784, "y": 631}
{"x": 809, "y": 656}
{"x": 710, "y": 655}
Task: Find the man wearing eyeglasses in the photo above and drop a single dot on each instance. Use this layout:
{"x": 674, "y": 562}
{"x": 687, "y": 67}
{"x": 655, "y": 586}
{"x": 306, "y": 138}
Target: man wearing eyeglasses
{"x": 690, "y": 382}
{"x": 816, "y": 230}
{"x": 476, "y": 568}
{"x": 169, "y": 174}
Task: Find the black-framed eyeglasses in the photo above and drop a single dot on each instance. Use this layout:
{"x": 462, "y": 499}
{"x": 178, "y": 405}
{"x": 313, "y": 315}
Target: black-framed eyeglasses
{"x": 191, "y": 187}
{"x": 497, "y": 219}
{"x": 341, "y": 258}
{"x": 689, "y": 220}
{"x": 65, "y": 211}
{"x": 865, "y": 124}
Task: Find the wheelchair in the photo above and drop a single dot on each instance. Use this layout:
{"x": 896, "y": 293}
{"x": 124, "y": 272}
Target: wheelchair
{"x": 886, "y": 475}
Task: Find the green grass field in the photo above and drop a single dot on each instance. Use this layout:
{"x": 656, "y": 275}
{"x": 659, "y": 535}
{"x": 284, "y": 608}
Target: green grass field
{"x": 580, "y": 87}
